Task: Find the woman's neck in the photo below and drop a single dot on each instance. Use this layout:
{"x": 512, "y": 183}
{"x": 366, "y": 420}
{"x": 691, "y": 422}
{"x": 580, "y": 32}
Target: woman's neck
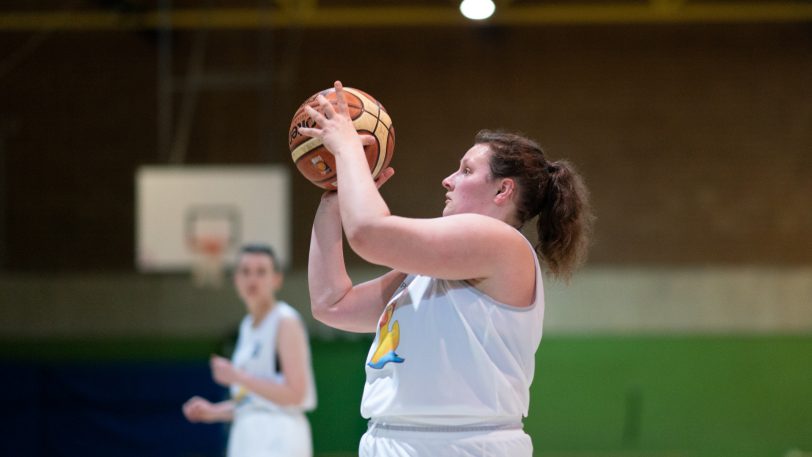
{"x": 260, "y": 310}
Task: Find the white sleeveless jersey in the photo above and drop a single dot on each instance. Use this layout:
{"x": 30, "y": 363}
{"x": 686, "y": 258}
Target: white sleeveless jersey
{"x": 256, "y": 353}
{"x": 445, "y": 353}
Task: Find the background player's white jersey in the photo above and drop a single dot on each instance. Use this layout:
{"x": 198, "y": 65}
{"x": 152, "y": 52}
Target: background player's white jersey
{"x": 256, "y": 353}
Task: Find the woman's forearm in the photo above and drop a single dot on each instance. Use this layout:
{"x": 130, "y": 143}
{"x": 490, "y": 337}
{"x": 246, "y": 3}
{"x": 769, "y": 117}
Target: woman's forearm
{"x": 222, "y": 411}
{"x": 279, "y": 393}
{"x": 361, "y": 204}
{"x": 327, "y": 276}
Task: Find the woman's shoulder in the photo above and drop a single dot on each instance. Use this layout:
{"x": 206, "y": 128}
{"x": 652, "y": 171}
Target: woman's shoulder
{"x": 287, "y": 312}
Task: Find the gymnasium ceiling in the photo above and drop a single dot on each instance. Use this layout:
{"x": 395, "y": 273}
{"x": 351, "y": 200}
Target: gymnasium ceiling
{"x": 189, "y": 14}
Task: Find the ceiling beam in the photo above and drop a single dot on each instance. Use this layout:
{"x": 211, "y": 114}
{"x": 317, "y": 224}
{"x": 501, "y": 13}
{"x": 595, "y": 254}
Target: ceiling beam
{"x": 406, "y": 16}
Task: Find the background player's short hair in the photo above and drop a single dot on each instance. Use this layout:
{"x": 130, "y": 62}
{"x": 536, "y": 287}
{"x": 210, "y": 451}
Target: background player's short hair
{"x": 258, "y": 248}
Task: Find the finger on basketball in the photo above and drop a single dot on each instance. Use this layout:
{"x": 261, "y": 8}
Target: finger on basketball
{"x": 387, "y": 173}
{"x": 315, "y": 115}
{"x": 326, "y": 107}
{"x": 311, "y": 132}
{"x": 367, "y": 139}
{"x": 342, "y": 101}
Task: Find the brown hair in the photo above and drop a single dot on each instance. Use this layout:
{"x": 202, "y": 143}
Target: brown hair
{"x": 260, "y": 249}
{"x": 552, "y": 190}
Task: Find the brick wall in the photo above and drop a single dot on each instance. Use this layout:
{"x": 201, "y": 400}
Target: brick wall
{"x": 694, "y": 139}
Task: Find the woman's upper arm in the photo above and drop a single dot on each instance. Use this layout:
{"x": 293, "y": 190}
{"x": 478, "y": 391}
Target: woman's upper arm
{"x": 361, "y": 307}
{"x": 293, "y": 349}
{"x": 464, "y": 246}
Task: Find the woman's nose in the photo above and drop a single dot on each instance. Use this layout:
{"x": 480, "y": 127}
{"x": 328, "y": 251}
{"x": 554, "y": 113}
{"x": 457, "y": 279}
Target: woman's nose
{"x": 447, "y": 181}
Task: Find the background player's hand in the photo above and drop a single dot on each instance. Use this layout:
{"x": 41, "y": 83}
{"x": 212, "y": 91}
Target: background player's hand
{"x": 223, "y": 372}
{"x": 198, "y": 409}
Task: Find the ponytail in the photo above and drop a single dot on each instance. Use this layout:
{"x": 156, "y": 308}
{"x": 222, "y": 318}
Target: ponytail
{"x": 552, "y": 190}
{"x": 564, "y": 220}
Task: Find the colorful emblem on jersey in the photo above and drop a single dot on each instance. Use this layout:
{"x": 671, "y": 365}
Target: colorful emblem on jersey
{"x": 241, "y": 397}
{"x": 388, "y": 340}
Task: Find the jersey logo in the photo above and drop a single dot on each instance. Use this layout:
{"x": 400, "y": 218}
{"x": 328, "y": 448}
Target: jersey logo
{"x": 388, "y": 340}
{"x": 241, "y": 397}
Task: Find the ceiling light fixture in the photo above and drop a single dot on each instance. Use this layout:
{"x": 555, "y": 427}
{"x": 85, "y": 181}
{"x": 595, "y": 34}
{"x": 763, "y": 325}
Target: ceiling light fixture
{"x": 477, "y": 9}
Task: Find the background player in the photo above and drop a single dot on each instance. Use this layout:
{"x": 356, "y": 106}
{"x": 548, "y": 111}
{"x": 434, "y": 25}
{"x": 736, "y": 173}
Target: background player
{"x": 270, "y": 373}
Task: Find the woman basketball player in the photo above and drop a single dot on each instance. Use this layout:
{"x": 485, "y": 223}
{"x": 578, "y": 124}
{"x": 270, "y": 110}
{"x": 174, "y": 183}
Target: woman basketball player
{"x": 270, "y": 375}
{"x": 459, "y": 318}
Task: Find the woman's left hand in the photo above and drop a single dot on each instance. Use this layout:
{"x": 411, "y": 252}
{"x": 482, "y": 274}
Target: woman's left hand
{"x": 223, "y": 372}
{"x": 387, "y": 173}
{"x": 334, "y": 126}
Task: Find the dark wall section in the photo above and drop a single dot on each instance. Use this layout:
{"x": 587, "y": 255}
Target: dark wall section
{"x": 694, "y": 139}
{"x": 84, "y": 108}
{"x": 108, "y": 408}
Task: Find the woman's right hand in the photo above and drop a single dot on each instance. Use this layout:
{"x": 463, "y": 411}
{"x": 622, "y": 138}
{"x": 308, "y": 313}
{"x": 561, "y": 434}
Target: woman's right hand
{"x": 333, "y": 124}
{"x": 198, "y": 409}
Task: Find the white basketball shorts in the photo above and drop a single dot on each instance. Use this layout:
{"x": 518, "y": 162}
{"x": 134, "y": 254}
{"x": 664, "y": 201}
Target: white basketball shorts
{"x": 270, "y": 434}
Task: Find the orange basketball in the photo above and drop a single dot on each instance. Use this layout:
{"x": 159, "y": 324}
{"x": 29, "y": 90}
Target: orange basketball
{"x": 316, "y": 163}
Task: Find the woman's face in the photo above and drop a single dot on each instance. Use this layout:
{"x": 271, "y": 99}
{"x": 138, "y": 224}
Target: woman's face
{"x": 470, "y": 188}
{"x": 256, "y": 279}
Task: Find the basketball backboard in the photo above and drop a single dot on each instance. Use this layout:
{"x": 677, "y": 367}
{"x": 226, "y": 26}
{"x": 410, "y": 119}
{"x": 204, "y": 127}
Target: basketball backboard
{"x": 185, "y": 212}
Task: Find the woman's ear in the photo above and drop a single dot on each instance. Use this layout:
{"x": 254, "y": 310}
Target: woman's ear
{"x": 278, "y": 280}
{"x": 507, "y": 187}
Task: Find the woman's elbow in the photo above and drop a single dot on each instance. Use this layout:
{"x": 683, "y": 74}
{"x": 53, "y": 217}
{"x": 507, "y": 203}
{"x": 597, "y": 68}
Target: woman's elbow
{"x": 319, "y": 313}
{"x": 295, "y": 398}
{"x": 325, "y": 301}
